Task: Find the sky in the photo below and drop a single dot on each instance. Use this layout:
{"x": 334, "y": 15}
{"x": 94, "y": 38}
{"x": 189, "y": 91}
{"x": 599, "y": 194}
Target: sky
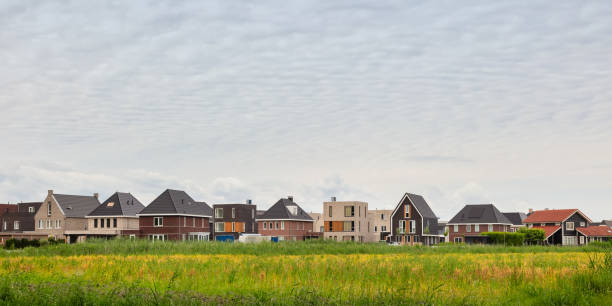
{"x": 504, "y": 102}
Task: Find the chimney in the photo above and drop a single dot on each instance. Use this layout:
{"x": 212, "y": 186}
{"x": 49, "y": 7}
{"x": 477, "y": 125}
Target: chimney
{"x": 50, "y": 192}
{"x": 248, "y": 201}
{"x": 96, "y": 195}
{"x": 531, "y": 211}
{"x": 333, "y": 199}
{"x": 546, "y": 208}
{"x": 290, "y": 198}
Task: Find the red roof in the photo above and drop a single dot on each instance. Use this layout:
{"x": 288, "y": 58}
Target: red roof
{"x": 595, "y": 231}
{"x": 549, "y": 230}
{"x": 552, "y": 215}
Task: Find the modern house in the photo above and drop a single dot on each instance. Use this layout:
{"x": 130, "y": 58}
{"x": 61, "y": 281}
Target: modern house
{"x": 474, "y": 219}
{"x": 379, "y": 224}
{"x": 318, "y": 226}
{"x": 517, "y": 220}
{"x": 345, "y": 220}
{"x": 21, "y": 219}
{"x": 286, "y": 220}
{"x": 233, "y": 220}
{"x": 116, "y": 217}
{"x": 414, "y": 223}
{"x": 62, "y": 216}
{"x": 174, "y": 215}
{"x": 560, "y": 225}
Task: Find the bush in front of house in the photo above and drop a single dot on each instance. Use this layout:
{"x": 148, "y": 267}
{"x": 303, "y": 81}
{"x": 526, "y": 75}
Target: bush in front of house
{"x": 515, "y": 239}
{"x": 14, "y": 243}
{"x": 533, "y": 235}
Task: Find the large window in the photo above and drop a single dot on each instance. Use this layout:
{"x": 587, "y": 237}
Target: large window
{"x": 95, "y": 223}
{"x": 490, "y": 227}
{"x": 349, "y": 211}
{"x": 412, "y": 224}
{"x": 41, "y": 224}
{"x": 476, "y": 228}
{"x": 569, "y": 226}
{"x": 383, "y": 228}
{"x": 219, "y": 227}
{"x": 158, "y": 221}
{"x": 58, "y": 224}
{"x": 402, "y": 226}
{"x": 468, "y": 228}
{"x": 219, "y": 212}
{"x": 456, "y": 228}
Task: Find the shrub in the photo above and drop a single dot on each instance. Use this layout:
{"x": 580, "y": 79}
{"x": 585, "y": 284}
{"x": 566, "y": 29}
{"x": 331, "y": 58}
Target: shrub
{"x": 14, "y": 243}
{"x": 533, "y": 235}
{"x": 515, "y": 239}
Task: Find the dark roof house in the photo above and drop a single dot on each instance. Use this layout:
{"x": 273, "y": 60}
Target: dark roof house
{"x": 285, "y": 209}
{"x": 414, "y": 222}
{"x": 76, "y": 206}
{"x": 479, "y": 213}
{"x": 119, "y": 204}
{"x": 176, "y": 202}
{"x": 515, "y": 217}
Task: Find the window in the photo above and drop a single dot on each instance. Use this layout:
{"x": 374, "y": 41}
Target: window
{"x": 30, "y": 209}
{"x": 184, "y": 221}
{"x": 193, "y": 221}
{"x": 282, "y": 225}
{"x": 581, "y": 239}
{"x": 95, "y": 223}
{"x": 348, "y": 226}
{"x": 330, "y": 211}
{"x": 402, "y": 226}
{"x": 115, "y": 222}
{"x": 159, "y": 237}
{"x": 456, "y": 228}
{"x": 349, "y": 211}
{"x": 233, "y": 226}
{"x": 468, "y": 228}
{"x": 41, "y": 224}
{"x": 158, "y": 221}
{"x": 58, "y": 223}
{"x": 132, "y": 237}
{"x": 582, "y": 224}
{"x": 458, "y": 240}
{"x": 476, "y": 228}
{"x": 102, "y": 223}
{"x": 48, "y": 208}
{"x": 219, "y": 212}
{"x": 16, "y": 225}
{"x": 375, "y": 229}
{"x": 219, "y": 227}
{"x": 108, "y": 223}
{"x": 253, "y": 213}
{"x": 271, "y": 227}
{"x": 276, "y": 223}
{"x": 382, "y": 216}
{"x": 322, "y": 229}
{"x": 203, "y": 220}
{"x": 383, "y": 228}
{"x": 265, "y": 225}
{"x": 569, "y": 226}
{"x": 233, "y": 212}
{"x": 412, "y": 224}
{"x": 49, "y": 224}
{"x": 253, "y": 227}
{"x": 4, "y": 226}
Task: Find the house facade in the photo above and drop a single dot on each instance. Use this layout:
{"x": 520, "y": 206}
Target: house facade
{"x": 174, "y": 215}
{"x": 318, "y": 226}
{"x": 21, "y": 219}
{"x": 561, "y": 226}
{"x": 62, "y": 216}
{"x": 233, "y": 220}
{"x": 379, "y": 224}
{"x": 286, "y": 220}
{"x": 468, "y": 225}
{"x": 116, "y": 217}
{"x": 345, "y": 220}
{"x": 414, "y": 223}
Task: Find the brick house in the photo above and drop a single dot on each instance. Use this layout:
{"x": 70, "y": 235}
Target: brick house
{"x": 21, "y": 219}
{"x": 286, "y": 220}
{"x": 474, "y": 219}
{"x": 174, "y": 215}
{"x": 560, "y": 225}
{"x": 413, "y": 222}
{"x": 116, "y": 217}
{"x": 233, "y": 220}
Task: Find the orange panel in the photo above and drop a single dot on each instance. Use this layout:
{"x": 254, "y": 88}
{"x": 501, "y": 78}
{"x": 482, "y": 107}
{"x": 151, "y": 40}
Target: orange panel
{"x": 337, "y": 226}
{"x": 240, "y": 227}
{"x": 228, "y": 227}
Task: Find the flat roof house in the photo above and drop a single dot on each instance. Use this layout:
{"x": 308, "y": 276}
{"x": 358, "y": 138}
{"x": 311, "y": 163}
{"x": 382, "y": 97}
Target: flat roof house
{"x": 233, "y": 220}
{"x": 379, "y": 224}
{"x": 414, "y": 223}
{"x": 346, "y": 220}
{"x": 116, "y": 217}
{"x": 560, "y": 225}
{"x": 174, "y": 215}
{"x": 286, "y": 220}
{"x": 63, "y": 216}
{"x": 470, "y": 222}
{"x": 318, "y": 226}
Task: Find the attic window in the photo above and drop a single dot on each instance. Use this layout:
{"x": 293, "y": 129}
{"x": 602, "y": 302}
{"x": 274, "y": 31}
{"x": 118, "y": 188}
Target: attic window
{"x": 110, "y": 204}
{"x": 69, "y": 207}
{"x": 293, "y": 210}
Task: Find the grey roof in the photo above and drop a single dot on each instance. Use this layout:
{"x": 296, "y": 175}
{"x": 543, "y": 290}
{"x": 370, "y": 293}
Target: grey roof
{"x": 76, "y": 206}
{"x": 118, "y": 204}
{"x": 515, "y": 217}
{"x": 479, "y": 213}
{"x": 422, "y": 206}
{"x": 281, "y": 210}
{"x": 177, "y": 202}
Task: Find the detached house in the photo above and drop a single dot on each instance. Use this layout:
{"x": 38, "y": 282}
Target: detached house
{"x": 21, "y": 220}
{"x": 413, "y": 222}
{"x": 174, "y": 215}
{"x": 517, "y": 220}
{"x": 286, "y": 220}
{"x": 63, "y": 216}
{"x": 233, "y": 220}
{"x": 346, "y": 220}
{"x": 561, "y": 226}
{"x": 473, "y": 220}
{"x": 115, "y": 217}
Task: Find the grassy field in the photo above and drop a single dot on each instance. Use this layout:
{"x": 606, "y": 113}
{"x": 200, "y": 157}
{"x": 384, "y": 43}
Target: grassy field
{"x": 127, "y": 272}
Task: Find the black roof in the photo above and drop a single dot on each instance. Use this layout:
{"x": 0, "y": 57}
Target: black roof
{"x": 177, "y": 202}
{"x": 23, "y": 207}
{"x": 420, "y": 203}
{"x": 76, "y": 206}
{"x": 515, "y": 217}
{"x": 479, "y": 213}
{"x": 285, "y": 209}
{"x": 119, "y": 204}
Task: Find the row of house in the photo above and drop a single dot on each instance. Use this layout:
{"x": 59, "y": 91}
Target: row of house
{"x": 174, "y": 215}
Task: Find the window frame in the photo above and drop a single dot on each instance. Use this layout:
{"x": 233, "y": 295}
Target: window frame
{"x": 158, "y": 221}
{"x": 351, "y": 212}
{"x": 219, "y": 212}
{"x": 490, "y": 227}
{"x": 567, "y": 226}
{"x": 222, "y": 224}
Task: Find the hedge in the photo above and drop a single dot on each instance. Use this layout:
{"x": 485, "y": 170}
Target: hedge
{"x": 505, "y": 238}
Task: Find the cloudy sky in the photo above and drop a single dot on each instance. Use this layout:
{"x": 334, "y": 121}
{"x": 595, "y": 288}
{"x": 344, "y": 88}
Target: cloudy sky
{"x": 460, "y": 101}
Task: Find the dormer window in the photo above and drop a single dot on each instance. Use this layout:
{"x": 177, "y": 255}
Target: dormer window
{"x": 293, "y": 210}
{"x": 31, "y": 209}
{"x": 110, "y": 204}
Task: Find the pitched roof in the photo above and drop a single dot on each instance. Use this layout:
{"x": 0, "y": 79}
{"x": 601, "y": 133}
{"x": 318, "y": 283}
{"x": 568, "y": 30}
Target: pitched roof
{"x": 479, "y": 213}
{"x": 24, "y": 207}
{"x": 76, "y": 206}
{"x": 515, "y": 217}
{"x": 285, "y": 209}
{"x": 422, "y": 206}
{"x": 548, "y": 230}
{"x": 596, "y": 231}
{"x": 118, "y": 204}
{"x": 552, "y": 215}
{"x": 176, "y": 202}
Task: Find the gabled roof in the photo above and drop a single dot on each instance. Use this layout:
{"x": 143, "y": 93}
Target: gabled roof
{"x": 548, "y": 230}
{"x": 76, "y": 206}
{"x": 595, "y": 231}
{"x": 479, "y": 213}
{"x": 176, "y": 202}
{"x": 552, "y": 215}
{"x": 515, "y": 217}
{"x": 420, "y": 204}
{"x": 285, "y": 209}
{"x": 118, "y": 204}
